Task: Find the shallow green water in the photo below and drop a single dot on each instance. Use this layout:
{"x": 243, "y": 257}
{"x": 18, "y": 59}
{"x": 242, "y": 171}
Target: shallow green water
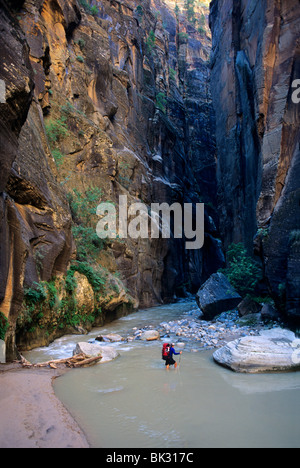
{"x": 134, "y": 402}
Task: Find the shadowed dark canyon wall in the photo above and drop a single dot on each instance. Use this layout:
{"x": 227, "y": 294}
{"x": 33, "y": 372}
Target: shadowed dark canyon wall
{"x": 255, "y": 60}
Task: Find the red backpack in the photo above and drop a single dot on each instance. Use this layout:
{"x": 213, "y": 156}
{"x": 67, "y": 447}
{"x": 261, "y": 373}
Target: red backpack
{"x": 166, "y": 351}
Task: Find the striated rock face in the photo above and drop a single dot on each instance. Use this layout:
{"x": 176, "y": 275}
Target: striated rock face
{"x": 120, "y": 122}
{"x": 17, "y": 85}
{"x": 103, "y": 99}
{"x": 255, "y": 59}
{"x": 273, "y": 351}
{"x": 36, "y": 233}
{"x": 188, "y": 153}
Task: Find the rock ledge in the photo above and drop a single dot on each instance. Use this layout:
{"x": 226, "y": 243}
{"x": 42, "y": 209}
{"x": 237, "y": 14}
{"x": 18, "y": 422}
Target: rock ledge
{"x": 274, "y": 350}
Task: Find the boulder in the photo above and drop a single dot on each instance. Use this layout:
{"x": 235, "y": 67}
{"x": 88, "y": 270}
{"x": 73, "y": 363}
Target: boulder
{"x": 274, "y": 350}
{"x": 108, "y": 353}
{"x": 84, "y": 294}
{"x": 250, "y": 320}
{"x": 2, "y": 352}
{"x": 150, "y": 335}
{"x": 248, "y": 306}
{"x": 270, "y": 313}
{"x": 111, "y": 338}
{"x": 217, "y": 296}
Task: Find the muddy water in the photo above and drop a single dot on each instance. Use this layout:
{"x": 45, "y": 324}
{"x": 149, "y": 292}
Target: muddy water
{"x": 134, "y": 402}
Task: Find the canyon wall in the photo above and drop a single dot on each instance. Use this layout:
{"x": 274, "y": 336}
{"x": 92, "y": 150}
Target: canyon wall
{"x": 255, "y": 60}
{"x": 106, "y": 98}
{"x": 102, "y": 99}
{"x": 17, "y": 76}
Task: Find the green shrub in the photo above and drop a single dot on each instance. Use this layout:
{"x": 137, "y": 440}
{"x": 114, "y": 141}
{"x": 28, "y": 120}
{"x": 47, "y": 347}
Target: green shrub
{"x": 56, "y": 130}
{"x": 58, "y": 157}
{"x": 44, "y": 296}
{"x": 80, "y": 59}
{"x": 84, "y": 205}
{"x": 52, "y": 294}
{"x": 172, "y": 74}
{"x": 139, "y": 11}
{"x": 161, "y": 101}
{"x": 183, "y": 37}
{"x": 241, "y": 270}
{"x": 81, "y": 43}
{"x": 87, "y": 242}
{"x": 70, "y": 282}
{"x": 92, "y": 10}
{"x": 95, "y": 278}
{"x": 39, "y": 294}
{"x": 295, "y": 236}
{"x": 150, "y": 42}
{"x": 35, "y": 295}
{"x": 67, "y": 109}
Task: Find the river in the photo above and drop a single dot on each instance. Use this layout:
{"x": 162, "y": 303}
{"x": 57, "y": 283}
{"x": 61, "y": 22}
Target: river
{"x": 133, "y": 402}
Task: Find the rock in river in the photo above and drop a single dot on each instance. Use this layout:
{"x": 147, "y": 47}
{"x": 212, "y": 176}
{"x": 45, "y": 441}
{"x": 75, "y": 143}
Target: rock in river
{"x": 150, "y": 335}
{"x": 274, "y": 350}
{"x": 217, "y": 296}
{"x": 108, "y": 353}
{"x": 110, "y": 338}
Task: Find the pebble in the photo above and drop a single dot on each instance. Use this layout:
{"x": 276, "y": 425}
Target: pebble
{"x": 207, "y": 334}
{"x": 193, "y": 331}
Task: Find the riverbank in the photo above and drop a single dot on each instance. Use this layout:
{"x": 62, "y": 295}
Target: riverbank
{"x": 31, "y": 414}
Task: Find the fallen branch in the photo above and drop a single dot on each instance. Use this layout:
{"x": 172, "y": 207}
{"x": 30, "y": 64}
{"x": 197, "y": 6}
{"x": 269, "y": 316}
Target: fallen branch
{"x": 79, "y": 360}
{"x": 25, "y": 363}
{"x": 87, "y": 362}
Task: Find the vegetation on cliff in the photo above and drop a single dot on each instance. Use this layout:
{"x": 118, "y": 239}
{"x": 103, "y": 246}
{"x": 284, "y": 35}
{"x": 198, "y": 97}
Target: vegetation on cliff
{"x": 111, "y": 99}
{"x": 114, "y": 98}
{"x": 241, "y": 270}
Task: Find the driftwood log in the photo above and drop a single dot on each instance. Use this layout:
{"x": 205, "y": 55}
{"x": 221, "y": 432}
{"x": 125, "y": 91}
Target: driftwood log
{"x": 79, "y": 360}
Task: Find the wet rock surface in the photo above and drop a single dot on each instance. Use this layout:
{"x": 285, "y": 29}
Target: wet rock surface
{"x": 107, "y": 353}
{"x": 192, "y": 333}
{"x": 272, "y": 351}
{"x": 217, "y": 296}
{"x": 208, "y": 335}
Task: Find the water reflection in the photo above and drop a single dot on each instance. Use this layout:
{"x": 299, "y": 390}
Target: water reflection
{"x": 264, "y": 383}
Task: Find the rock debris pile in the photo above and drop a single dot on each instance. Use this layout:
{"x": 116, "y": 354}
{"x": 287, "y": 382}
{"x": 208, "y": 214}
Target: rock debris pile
{"x": 193, "y": 331}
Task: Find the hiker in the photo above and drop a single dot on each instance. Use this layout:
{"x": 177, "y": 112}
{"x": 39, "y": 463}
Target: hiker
{"x": 167, "y": 355}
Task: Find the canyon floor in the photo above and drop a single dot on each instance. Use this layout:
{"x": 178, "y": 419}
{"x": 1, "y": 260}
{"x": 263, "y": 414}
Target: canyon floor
{"x": 31, "y": 415}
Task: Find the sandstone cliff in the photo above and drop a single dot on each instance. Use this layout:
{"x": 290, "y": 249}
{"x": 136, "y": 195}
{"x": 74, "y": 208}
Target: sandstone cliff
{"x": 106, "y": 98}
{"x": 102, "y": 99}
{"x": 255, "y": 59}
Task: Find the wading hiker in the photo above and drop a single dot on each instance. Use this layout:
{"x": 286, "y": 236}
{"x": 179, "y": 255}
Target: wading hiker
{"x": 167, "y": 354}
